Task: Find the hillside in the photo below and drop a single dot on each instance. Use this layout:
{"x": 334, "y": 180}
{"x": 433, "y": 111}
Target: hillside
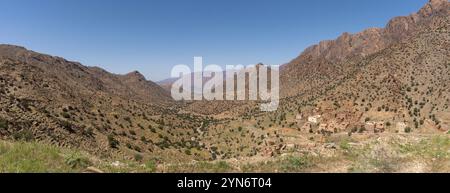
{"x": 64, "y": 103}
{"x": 317, "y": 65}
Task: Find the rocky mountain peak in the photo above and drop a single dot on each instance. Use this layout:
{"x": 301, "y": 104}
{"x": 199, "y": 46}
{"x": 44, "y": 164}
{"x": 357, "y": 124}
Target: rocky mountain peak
{"x": 7, "y": 50}
{"x": 372, "y": 40}
{"x": 434, "y": 6}
{"x": 135, "y": 75}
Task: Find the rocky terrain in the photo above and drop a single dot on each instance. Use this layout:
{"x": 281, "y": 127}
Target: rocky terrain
{"x": 374, "y": 101}
{"x": 324, "y": 56}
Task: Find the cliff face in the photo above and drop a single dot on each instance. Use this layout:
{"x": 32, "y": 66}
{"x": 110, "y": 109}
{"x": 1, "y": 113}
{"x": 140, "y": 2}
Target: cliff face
{"x": 372, "y": 40}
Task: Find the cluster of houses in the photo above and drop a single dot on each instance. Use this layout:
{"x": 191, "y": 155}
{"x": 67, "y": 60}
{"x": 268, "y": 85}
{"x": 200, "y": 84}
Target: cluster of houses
{"x": 332, "y": 127}
{"x": 273, "y": 148}
{"x": 375, "y": 127}
{"x": 323, "y": 128}
{"x": 341, "y": 123}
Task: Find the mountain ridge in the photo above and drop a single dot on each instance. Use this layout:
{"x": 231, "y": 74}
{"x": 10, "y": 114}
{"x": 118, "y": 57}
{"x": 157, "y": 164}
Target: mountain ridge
{"x": 362, "y": 44}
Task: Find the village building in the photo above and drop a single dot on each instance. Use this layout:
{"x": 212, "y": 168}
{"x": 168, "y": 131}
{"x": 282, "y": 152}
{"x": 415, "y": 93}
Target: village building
{"x": 334, "y": 127}
{"x": 306, "y": 127}
{"x": 291, "y": 147}
{"x": 315, "y": 119}
{"x": 299, "y": 117}
{"x": 379, "y": 128}
{"x": 316, "y": 110}
{"x": 267, "y": 152}
{"x": 323, "y": 127}
{"x": 327, "y": 129}
{"x": 270, "y": 142}
{"x": 445, "y": 128}
{"x": 341, "y": 117}
{"x": 375, "y": 127}
{"x": 370, "y": 126}
{"x": 401, "y": 126}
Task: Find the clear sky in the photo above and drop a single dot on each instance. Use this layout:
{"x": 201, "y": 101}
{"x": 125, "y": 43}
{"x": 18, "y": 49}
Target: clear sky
{"x": 152, "y": 36}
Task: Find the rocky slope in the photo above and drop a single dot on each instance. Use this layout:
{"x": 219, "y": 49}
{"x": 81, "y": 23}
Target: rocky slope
{"x": 50, "y": 99}
{"x": 325, "y": 55}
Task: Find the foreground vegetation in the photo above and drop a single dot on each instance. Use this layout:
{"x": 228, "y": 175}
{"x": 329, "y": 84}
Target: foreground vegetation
{"x": 35, "y": 157}
{"x": 20, "y": 157}
{"x": 386, "y": 154}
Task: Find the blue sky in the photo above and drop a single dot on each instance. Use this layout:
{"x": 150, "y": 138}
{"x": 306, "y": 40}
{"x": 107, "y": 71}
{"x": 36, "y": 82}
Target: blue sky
{"x": 152, "y": 36}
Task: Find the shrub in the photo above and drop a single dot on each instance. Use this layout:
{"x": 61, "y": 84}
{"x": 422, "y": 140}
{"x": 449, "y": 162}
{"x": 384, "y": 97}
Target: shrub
{"x": 89, "y": 131}
{"x": 361, "y": 130}
{"x": 137, "y": 148}
{"x": 129, "y": 146}
{"x": 345, "y": 145}
{"x": 293, "y": 164}
{"x": 3, "y": 124}
{"x": 222, "y": 166}
{"x": 67, "y": 125}
{"x": 150, "y": 166}
{"x": 408, "y": 130}
{"x": 138, "y": 157}
{"x": 140, "y": 126}
{"x": 153, "y": 130}
{"x": 25, "y": 135}
{"x": 113, "y": 143}
{"x": 76, "y": 160}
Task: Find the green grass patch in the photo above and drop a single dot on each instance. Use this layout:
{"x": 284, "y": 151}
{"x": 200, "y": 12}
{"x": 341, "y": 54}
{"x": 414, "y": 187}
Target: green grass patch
{"x": 296, "y": 163}
{"x": 206, "y": 167}
{"x": 24, "y": 157}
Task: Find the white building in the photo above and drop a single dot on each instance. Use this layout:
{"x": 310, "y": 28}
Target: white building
{"x": 314, "y": 119}
{"x": 401, "y": 126}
